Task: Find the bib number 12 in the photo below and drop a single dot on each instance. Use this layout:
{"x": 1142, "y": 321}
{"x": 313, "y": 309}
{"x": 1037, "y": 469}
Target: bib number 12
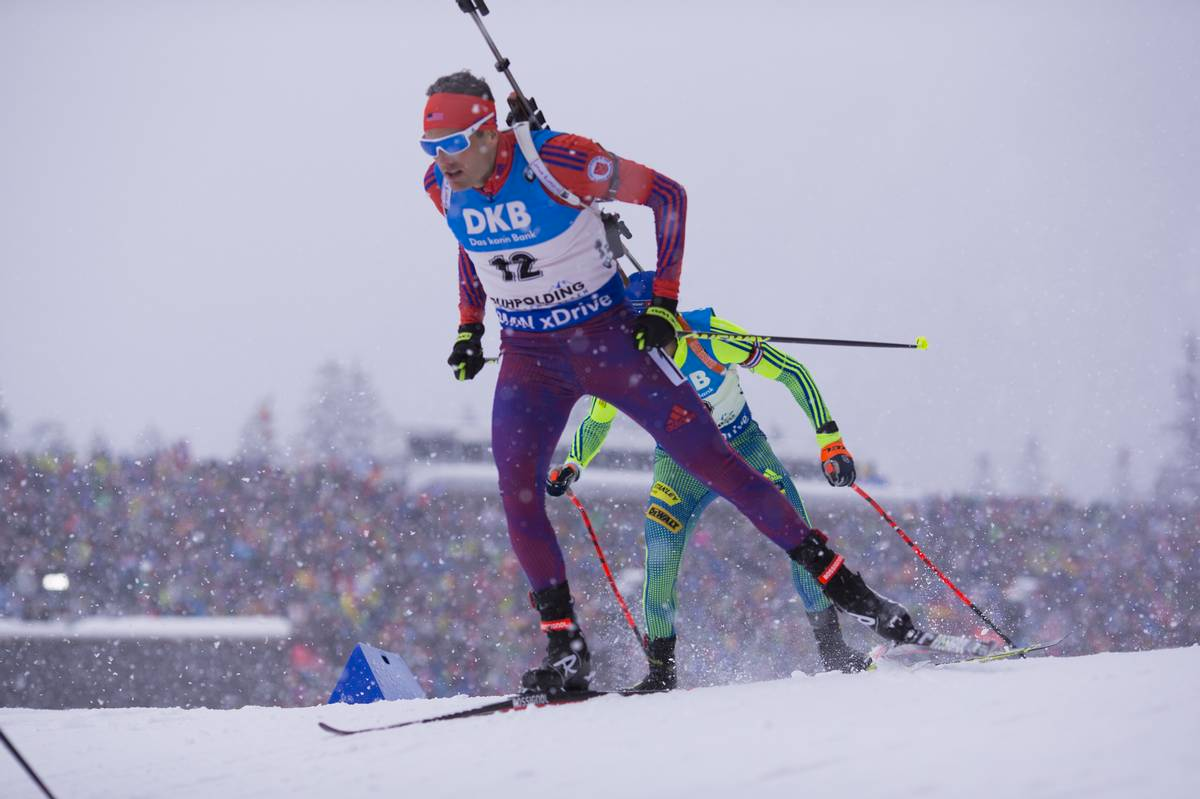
{"x": 518, "y": 266}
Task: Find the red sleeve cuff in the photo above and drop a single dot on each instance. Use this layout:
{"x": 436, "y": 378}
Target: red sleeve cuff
{"x": 470, "y": 316}
{"x": 666, "y": 288}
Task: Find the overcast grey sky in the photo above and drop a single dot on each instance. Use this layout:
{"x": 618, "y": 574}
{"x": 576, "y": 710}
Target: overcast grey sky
{"x": 201, "y": 201}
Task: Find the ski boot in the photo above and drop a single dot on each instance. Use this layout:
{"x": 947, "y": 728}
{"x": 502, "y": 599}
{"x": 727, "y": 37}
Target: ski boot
{"x": 568, "y": 664}
{"x": 848, "y": 591}
{"x": 661, "y": 654}
{"x": 836, "y": 654}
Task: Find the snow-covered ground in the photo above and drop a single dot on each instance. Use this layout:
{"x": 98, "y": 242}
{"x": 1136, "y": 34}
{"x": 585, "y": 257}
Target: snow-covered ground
{"x": 1104, "y": 725}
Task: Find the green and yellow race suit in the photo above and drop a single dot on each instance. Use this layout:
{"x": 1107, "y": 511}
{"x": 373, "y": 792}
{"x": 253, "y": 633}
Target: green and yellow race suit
{"x": 676, "y": 497}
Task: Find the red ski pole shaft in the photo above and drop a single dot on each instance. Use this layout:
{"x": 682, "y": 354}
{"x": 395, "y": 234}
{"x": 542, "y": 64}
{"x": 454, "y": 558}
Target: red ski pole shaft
{"x": 929, "y": 563}
{"x": 612, "y": 583}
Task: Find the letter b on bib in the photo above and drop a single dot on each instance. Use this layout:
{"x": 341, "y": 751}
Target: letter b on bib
{"x": 518, "y": 217}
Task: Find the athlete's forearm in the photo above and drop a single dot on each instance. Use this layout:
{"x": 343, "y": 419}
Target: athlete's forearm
{"x": 668, "y": 200}
{"x": 783, "y": 368}
{"x": 765, "y": 360}
{"x": 471, "y": 296}
{"x": 590, "y": 435}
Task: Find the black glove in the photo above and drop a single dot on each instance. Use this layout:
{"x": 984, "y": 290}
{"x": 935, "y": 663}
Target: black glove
{"x": 836, "y": 462}
{"x": 467, "y": 355}
{"x": 560, "y": 479}
{"x": 657, "y": 326}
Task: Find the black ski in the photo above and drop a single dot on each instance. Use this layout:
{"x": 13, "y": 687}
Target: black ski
{"x": 514, "y": 702}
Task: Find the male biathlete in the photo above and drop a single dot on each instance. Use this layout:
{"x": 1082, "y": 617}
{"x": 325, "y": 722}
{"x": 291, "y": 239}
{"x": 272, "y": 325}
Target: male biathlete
{"x": 677, "y": 498}
{"x": 520, "y": 204}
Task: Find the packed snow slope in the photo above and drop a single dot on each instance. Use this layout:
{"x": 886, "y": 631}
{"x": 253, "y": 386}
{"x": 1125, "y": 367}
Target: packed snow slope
{"x": 1102, "y": 725}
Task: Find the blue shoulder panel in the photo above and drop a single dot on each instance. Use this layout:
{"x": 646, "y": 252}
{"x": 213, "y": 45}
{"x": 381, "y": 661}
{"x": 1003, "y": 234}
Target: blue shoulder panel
{"x": 540, "y": 137}
{"x": 699, "y": 320}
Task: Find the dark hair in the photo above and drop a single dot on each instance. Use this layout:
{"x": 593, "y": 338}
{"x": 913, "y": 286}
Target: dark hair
{"x": 461, "y": 82}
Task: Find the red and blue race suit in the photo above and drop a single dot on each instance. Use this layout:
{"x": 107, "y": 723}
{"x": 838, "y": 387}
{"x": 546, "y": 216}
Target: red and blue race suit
{"x": 567, "y": 333}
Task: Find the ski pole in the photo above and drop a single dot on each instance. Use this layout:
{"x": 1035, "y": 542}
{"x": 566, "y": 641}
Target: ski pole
{"x": 28, "y": 768}
{"x": 612, "y": 583}
{"x": 929, "y": 563}
{"x": 921, "y": 344}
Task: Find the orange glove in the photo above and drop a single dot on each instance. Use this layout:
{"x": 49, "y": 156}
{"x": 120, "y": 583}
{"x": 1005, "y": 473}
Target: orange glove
{"x": 836, "y": 461}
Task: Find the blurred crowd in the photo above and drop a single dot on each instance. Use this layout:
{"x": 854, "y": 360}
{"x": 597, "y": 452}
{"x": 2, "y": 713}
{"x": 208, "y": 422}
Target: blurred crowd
{"x": 351, "y": 557}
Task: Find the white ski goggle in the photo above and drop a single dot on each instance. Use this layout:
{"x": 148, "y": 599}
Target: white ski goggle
{"x": 455, "y": 143}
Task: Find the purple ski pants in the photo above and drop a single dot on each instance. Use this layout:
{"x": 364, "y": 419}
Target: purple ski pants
{"x": 542, "y": 375}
